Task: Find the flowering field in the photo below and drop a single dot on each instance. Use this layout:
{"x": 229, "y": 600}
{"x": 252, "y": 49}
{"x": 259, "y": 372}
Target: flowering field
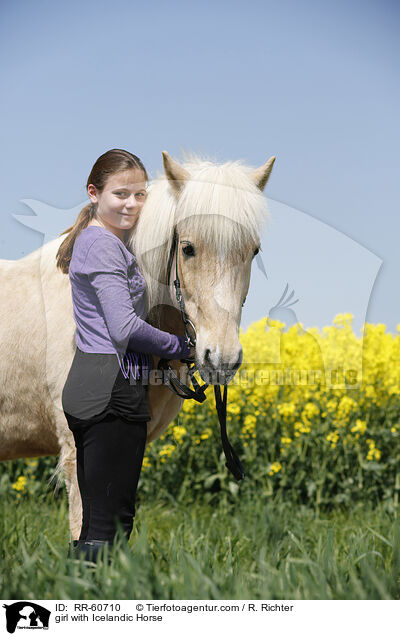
{"x": 313, "y": 415}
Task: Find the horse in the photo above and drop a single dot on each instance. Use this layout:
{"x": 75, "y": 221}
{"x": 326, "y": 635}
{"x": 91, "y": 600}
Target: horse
{"x": 217, "y": 211}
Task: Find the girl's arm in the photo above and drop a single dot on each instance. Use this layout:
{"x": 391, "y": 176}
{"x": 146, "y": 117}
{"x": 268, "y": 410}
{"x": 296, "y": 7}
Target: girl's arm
{"x": 106, "y": 269}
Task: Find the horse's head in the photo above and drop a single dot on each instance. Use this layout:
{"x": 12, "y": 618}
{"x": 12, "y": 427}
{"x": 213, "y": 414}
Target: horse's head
{"x": 216, "y": 212}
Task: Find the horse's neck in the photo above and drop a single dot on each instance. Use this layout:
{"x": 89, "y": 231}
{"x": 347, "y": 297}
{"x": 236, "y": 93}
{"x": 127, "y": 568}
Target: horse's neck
{"x": 170, "y": 320}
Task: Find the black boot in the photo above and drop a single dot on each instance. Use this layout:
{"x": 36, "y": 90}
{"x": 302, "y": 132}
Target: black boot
{"x": 72, "y": 547}
{"x": 91, "y": 549}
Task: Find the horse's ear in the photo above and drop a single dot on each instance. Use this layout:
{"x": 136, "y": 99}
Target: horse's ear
{"x": 261, "y": 175}
{"x": 175, "y": 173}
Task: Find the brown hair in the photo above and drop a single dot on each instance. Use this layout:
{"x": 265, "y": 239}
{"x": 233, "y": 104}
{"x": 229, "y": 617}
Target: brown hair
{"x": 109, "y": 163}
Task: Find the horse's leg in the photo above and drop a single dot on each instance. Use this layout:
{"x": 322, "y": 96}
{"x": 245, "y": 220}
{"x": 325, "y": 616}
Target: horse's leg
{"x": 164, "y": 407}
{"x": 67, "y": 467}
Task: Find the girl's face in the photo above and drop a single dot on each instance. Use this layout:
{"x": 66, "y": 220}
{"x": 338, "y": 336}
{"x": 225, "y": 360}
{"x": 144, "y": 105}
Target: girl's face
{"x": 120, "y": 202}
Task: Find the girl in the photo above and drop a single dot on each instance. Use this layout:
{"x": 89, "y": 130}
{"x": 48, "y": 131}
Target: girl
{"x": 106, "y": 412}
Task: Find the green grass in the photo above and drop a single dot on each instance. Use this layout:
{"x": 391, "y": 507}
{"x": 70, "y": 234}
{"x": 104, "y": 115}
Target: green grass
{"x": 245, "y": 550}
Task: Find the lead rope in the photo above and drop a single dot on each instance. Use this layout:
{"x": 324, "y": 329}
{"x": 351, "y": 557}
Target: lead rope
{"x": 233, "y": 462}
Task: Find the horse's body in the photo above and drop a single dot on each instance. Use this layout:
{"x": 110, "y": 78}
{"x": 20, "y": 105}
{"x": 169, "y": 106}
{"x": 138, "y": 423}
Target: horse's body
{"x": 37, "y": 329}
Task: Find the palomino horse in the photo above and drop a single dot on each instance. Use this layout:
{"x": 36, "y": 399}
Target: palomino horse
{"x": 217, "y": 211}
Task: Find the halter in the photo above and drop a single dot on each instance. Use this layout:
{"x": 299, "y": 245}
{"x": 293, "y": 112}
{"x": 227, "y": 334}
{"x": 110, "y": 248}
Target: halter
{"x": 171, "y": 380}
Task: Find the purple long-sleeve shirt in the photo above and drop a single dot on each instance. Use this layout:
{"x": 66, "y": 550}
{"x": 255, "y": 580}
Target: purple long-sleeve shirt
{"x": 108, "y": 297}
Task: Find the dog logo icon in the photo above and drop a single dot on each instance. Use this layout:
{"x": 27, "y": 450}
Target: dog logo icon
{"x": 26, "y": 615}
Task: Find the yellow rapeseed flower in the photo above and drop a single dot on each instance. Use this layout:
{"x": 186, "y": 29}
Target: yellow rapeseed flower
{"x": 359, "y": 427}
{"x": 370, "y": 392}
{"x": 275, "y": 468}
{"x": 166, "y": 451}
{"x": 331, "y": 406}
{"x": 249, "y": 426}
{"x": 301, "y": 427}
{"x": 310, "y": 410}
{"x": 179, "y": 433}
{"x": 286, "y": 410}
{"x": 206, "y": 433}
{"x": 20, "y": 484}
{"x": 333, "y": 438}
{"x": 374, "y": 453}
{"x": 346, "y": 408}
{"x": 233, "y": 408}
{"x": 146, "y": 463}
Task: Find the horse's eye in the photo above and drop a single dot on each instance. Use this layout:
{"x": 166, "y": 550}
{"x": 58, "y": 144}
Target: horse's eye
{"x": 188, "y": 250}
{"x": 256, "y": 251}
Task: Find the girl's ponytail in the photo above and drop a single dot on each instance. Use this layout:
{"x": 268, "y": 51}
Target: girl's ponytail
{"x": 64, "y": 253}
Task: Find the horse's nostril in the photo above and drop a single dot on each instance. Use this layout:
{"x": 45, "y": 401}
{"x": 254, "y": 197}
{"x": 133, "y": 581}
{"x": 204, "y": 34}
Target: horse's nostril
{"x": 207, "y": 356}
{"x": 238, "y": 361}
{"x": 221, "y": 366}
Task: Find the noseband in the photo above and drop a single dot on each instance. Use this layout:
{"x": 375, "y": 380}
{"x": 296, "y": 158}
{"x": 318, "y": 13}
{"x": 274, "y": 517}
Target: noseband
{"x": 171, "y": 380}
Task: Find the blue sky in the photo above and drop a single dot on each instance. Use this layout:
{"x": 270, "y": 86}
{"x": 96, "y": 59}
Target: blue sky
{"x": 315, "y": 83}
